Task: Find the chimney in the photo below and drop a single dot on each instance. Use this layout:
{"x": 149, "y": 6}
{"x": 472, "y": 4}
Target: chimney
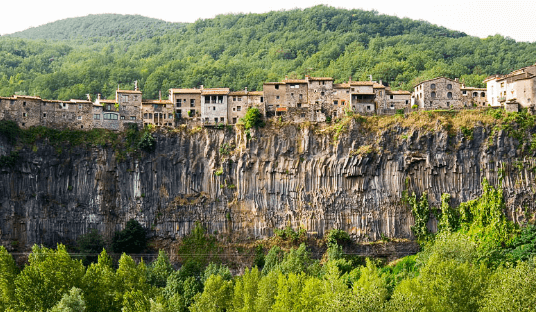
{"x": 350, "y": 79}
{"x": 135, "y": 85}
{"x": 246, "y": 89}
{"x": 456, "y": 79}
{"x": 381, "y": 82}
{"x": 159, "y": 95}
{"x": 201, "y": 87}
{"x": 98, "y": 96}
{"x": 370, "y": 77}
{"x": 88, "y": 97}
{"x": 286, "y": 77}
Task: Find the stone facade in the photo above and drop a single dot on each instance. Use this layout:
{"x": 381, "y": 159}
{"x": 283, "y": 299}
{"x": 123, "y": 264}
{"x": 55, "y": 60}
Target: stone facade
{"x": 214, "y": 105}
{"x": 519, "y": 86}
{"x": 187, "y": 103}
{"x": 158, "y": 113}
{"x": 439, "y": 93}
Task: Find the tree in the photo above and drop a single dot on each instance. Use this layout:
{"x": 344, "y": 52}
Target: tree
{"x": 215, "y": 297}
{"x": 49, "y": 275}
{"x": 100, "y": 285}
{"x": 8, "y": 273}
{"x": 90, "y": 243}
{"x": 159, "y": 271}
{"x": 72, "y": 301}
{"x": 130, "y": 240}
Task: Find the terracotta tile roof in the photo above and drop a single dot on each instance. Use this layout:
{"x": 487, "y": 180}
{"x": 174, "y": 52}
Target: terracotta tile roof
{"x": 398, "y": 92}
{"x": 361, "y": 83}
{"x": 295, "y": 81}
{"x": 107, "y": 101}
{"x": 378, "y": 86}
{"x": 185, "y": 91}
{"x": 281, "y": 109}
{"x": 256, "y": 93}
{"x": 320, "y": 78}
{"x": 222, "y": 91}
{"x": 161, "y": 102}
{"x": 6, "y": 98}
{"x": 341, "y": 85}
{"x": 473, "y": 88}
{"x": 274, "y": 83}
{"x": 235, "y": 93}
{"x": 128, "y": 91}
{"x": 27, "y": 97}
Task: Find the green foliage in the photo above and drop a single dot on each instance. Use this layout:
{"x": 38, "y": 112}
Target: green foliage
{"x": 159, "y": 271}
{"x": 216, "y": 269}
{"x": 483, "y": 219}
{"x": 421, "y": 213}
{"x": 9, "y": 160}
{"x": 147, "y": 142}
{"x": 523, "y": 246}
{"x": 337, "y": 236}
{"x": 72, "y": 301}
{"x": 8, "y": 273}
{"x": 90, "y": 243}
{"x": 252, "y": 119}
{"x": 414, "y": 106}
{"x": 9, "y": 130}
{"x": 400, "y": 111}
{"x": 199, "y": 247}
{"x": 288, "y": 234}
{"x": 218, "y": 172}
{"x": 448, "y": 219}
{"x": 101, "y": 286}
{"x": 49, "y": 275}
{"x": 217, "y": 295}
{"x": 259, "y": 257}
{"x": 132, "y": 239}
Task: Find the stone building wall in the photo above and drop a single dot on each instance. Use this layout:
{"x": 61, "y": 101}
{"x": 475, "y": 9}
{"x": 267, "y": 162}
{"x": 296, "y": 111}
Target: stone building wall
{"x": 275, "y": 96}
{"x": 439, "y": 93}
{"x": 214, "y": 105}
{"x": 185, "y": 100}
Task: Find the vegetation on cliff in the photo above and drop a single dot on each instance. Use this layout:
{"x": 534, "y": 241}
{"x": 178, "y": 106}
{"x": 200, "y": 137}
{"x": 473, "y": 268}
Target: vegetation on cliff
{"x": 478, "y": 261}
{"x": 94, "y": 54}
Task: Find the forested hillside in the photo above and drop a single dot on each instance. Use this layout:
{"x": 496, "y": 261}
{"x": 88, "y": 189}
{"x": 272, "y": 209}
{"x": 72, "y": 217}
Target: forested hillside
{"x": 100, "y": 27}
{"x": 246, "y": 50}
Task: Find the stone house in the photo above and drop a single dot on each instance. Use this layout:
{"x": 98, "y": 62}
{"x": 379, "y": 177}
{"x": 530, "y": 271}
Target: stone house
{"x": 158, "y": 113}
{"x": 24, "y": 110}
{"x": 240, "y": 101}
{"x": 214, "y": 105}
{"x": 396, "y": 99}
{"x": 438, "y": 93}
{"x": 363, "y": 97}
{"x": 475, "y": 97}
{"x": 275, "y": 97}
{"x": 187, "y": 103}
{"x": 118, "y": 113}
{"x": 518, "y": 86}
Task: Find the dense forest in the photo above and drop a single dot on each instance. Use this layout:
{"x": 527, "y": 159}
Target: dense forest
{"x": 94, "y": 54}
{"x": 477, "y": 261}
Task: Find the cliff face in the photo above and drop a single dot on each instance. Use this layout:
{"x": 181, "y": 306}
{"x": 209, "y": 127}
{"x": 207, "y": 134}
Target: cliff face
{"x": 285, "y": 175}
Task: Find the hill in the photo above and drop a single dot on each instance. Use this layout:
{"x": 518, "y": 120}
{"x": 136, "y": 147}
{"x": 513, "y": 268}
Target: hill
{"x": 239, "y": 50}
{"x": 100, "y": 26}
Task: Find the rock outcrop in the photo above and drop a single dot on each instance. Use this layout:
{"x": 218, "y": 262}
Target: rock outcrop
{"x": 284, "y": 175}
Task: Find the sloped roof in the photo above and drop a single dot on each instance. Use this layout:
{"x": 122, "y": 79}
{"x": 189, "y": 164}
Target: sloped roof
{"x": 185, "y": 91}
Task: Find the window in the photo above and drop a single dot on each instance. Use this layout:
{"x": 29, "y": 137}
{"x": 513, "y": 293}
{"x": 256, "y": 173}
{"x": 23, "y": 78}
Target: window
{"x": 302, "y": 115}
{"x": 124, "y": 98}
{"x": 234, "y": 120}
{"x": 299, "y": 105}
{"x": 213, "y": 107}
{"x": 449, "y": 86}
{"x": 222, "y": 119}
{"x": 392, "y": 106}
{"x": 192, "y": 102}
{"x": 24, "y": 115}
{"x": 122, "y": 117}
{"x": 207, "y": 99}
{"x": 150, "y": 115}
{"x": 234, "y": 109}
{"x": 433, "y": 94}
{"x": 11, "y": 102}
{"x": 170, "y": 116}
{"x": 178, "y": 114}
{"x": 215, "y": 119}
{"x": 79, "y": 117}
{"x": 277, "y": 97}
{"x": 322, "y": 93}
{"x": 391, "y": 96}
{"x": 234, "y": 98}
{"x": 179, "y": 102}
{"x": 432, "y": 86}
{"x": 292, "y": 94}
{"x": 23, "y": 103}
{"x": 483, "y": 94}
{"x": 262, "y": 99}
{"x": 238, "y": 108}
{"x": 82, "y": 127}
{"x": 502, "y": 84}
{"x": 449, "y": 95}
{"x": 380, "y": 93}
{"x": 145, "y": 116}
{"x": 475, "y": 94}
{"x": 323, "y": 82}
{"x": 464, "y": 92}
{"x": 335, "y": 102}
{"x": 277, "y": 87}
{"x": 132, "y": 117}
{"x": 109, "y": 107}
{"x": 301, "y": 97}
{"x": 44, "y": 115}
{"x": 353, "y": 89}
{"x": 347, "y": 91}
{"x": 368, "y": 107}
{"x": 110, "y": 116}
{"x": 220, "y": 99}
{"x": 239, "y": 99}
{"x": 79, "y": 106}
{"x": 407, "y": 101}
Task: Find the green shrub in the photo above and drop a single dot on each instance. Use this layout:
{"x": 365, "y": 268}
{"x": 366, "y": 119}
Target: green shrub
{"x": 253, "y": 118}
{"x": 147, "y": 142}
{"x": 337, "y": 237}
{"x": 132, "y": 239}
{"x": 10, "y": 130}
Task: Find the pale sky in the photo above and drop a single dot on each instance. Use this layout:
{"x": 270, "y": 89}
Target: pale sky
{"x": 513, "y": 18}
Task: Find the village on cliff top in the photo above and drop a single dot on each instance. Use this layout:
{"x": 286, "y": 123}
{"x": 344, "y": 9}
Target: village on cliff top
{"x": 315, "y": 99}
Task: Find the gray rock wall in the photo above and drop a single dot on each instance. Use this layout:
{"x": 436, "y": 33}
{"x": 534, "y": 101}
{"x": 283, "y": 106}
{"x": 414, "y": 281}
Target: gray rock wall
{"x": 283, "y": 176}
